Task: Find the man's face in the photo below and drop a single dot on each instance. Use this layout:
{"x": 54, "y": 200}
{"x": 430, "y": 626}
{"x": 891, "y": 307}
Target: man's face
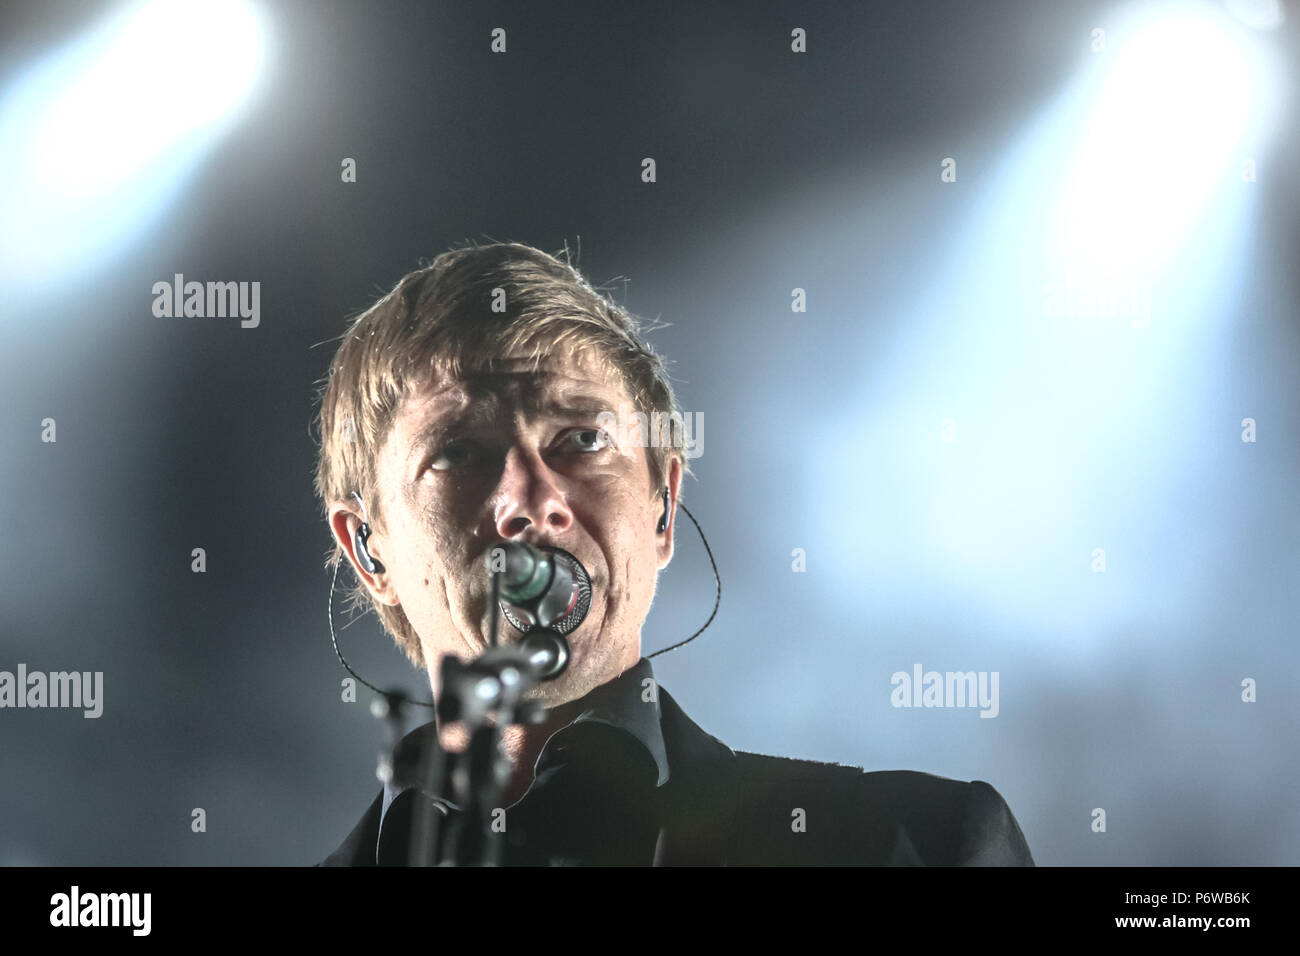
{"x": 516, "y": 455}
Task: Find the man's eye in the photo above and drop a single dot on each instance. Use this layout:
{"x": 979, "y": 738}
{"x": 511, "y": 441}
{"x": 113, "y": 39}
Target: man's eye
{"x": 589, "y": 439}
{"x": 456, "y": 455}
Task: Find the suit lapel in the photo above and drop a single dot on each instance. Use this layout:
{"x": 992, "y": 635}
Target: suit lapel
{"x": 700, "y": 798}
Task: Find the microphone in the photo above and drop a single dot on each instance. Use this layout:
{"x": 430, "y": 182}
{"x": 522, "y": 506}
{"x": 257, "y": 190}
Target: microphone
{"x": 547, "y": 588}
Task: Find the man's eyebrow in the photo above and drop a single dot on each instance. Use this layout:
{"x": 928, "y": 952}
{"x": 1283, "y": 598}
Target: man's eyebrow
{"x": 573, "y": 406}
{"x": 426, "y": 435}
{"x": 438, "y": 426}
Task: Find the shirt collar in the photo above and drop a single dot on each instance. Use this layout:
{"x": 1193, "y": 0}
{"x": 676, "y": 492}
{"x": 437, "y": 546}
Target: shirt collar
{"x": 629, "y": 702}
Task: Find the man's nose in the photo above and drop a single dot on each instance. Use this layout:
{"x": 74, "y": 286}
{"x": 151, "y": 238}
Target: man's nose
{"x": 529, "y": 495}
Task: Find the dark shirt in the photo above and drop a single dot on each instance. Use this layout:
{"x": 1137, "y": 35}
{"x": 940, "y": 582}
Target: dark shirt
{"x": 594, "y": 799}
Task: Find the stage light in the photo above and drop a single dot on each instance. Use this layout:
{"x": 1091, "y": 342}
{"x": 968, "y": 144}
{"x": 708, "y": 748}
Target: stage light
{"x": 102, "y": 131}
{"x": 1043, "y": 384}
{"x": 1162, "y": 135}
{"x": 173, "y": 68}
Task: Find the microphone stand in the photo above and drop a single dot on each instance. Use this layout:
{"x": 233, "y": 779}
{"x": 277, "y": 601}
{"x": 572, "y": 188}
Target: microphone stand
{"x": 487, "y": 694}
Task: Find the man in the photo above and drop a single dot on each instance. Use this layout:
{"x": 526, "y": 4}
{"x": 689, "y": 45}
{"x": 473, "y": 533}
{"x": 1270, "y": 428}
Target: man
{"x": 465, "y": 409}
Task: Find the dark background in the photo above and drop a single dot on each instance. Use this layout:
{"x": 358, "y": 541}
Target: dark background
{"x": 775, "y": 171}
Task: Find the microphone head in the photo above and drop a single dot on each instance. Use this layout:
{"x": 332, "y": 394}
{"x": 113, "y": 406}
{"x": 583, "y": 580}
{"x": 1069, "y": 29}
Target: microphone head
{"x": 547, "y": 652}
{"x": 564, "y": 605}
{"x": 526, "y": 571}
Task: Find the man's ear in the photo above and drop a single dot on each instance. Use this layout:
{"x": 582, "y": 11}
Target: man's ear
{"x": 345, "y": 520}
{"x": 665, "y": 537}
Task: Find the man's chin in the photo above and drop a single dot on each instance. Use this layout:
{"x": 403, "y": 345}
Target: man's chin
{"x": 578, "y": 680}
{"x": 583, "y": 674}
{"x": 587, "y": 668}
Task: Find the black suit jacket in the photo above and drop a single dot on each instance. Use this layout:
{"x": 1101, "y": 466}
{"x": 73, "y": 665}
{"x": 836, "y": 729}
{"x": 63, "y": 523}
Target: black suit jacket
{"x": 735, "y": 808}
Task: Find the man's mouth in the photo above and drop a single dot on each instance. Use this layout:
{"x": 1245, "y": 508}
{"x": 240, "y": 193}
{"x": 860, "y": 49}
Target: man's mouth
{"x": 578, "y": 605}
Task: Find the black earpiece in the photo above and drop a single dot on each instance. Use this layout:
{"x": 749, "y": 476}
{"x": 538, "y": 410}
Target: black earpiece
{"x": 363, "y": 554}
{"x": 359, "y": 538}
{"x": 663, "y": 520}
